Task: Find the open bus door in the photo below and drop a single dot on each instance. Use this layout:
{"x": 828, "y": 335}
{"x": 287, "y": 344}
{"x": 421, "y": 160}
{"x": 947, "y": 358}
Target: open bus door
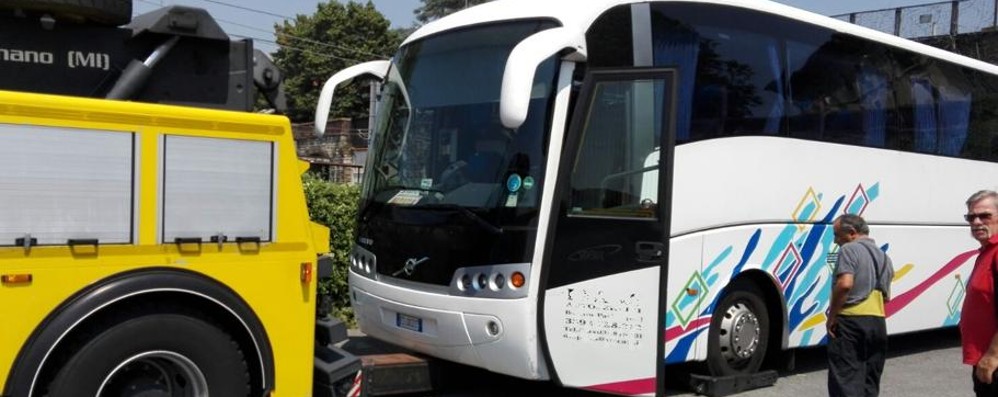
{"x": 606, "y": 266}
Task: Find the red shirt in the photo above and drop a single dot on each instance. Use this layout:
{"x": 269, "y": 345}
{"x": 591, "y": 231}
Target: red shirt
{"x": 977, "y": 320}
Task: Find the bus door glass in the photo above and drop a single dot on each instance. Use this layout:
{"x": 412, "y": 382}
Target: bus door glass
{"x": 610, "y": 237}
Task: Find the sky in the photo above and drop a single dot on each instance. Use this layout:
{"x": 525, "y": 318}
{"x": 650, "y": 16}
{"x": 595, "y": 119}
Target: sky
{"x": 256, "y": 18}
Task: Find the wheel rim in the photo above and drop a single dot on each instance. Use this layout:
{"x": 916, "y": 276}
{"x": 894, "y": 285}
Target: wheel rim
{"x": 739, "y": 334}
{"x": 155, "y": 374}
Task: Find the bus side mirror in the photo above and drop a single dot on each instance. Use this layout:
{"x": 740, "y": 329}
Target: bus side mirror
{"x": 377, "y": 69}
{"x": 518, "y": 76}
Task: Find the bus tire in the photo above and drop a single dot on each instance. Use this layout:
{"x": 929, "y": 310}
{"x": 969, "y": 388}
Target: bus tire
{"x": 103, "y": 12}
{"x": 156, "y": 354}
{"x": 739, "y": 332}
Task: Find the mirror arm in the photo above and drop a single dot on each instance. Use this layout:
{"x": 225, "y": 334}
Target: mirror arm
{"x": 518, "y": 76}
{"x": 377, "y": 69}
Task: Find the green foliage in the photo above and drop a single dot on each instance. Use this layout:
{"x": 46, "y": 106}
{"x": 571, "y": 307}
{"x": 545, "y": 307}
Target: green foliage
{"x": 436, "y": 9}
{"x": 335, "y": 205}
{"x": 314, "y": 47}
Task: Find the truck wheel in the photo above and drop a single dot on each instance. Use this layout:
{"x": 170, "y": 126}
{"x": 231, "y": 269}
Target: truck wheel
{"x": 158, "y": 354}
{"x": 104, "y": 12}
{"x": 739, "y": 332}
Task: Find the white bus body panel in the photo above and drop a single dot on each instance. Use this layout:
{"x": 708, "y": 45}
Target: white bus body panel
{"x": 722, "y": 206}
{"x": 612, "y": 320}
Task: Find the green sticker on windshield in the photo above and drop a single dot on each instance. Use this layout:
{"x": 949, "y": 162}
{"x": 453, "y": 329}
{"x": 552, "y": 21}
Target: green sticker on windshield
{"x": 528, "y": 182}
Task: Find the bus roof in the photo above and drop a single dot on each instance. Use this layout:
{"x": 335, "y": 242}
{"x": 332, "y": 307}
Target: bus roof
{"x": 578, "y": 15}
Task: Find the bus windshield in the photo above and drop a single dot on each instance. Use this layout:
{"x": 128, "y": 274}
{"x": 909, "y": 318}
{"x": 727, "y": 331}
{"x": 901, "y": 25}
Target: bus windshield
{"x": 438, "y": 139}
{"x": 443, "y": 167}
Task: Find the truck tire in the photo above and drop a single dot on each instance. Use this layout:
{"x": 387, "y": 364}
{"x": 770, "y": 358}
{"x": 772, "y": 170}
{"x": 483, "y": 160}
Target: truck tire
{"x": 103, "y": 12}
{"x": 168, "y": 354}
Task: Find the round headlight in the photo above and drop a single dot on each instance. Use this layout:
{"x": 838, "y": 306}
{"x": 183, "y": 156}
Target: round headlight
{"x": 499, "y": 281}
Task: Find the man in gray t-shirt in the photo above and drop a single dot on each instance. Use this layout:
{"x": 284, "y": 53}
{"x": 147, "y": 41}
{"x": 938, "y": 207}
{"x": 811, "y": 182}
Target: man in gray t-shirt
{"x": 857, "y": 329}
{"x": 863, "y": 259}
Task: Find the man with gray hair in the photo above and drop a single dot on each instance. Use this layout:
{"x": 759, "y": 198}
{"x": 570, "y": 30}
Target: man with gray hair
{"x": 857, "y": 329}
{"x": 978, "y": 322}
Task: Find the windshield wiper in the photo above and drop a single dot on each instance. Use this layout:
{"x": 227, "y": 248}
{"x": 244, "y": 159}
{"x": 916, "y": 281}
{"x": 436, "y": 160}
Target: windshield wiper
{"x": 470, "y": 215}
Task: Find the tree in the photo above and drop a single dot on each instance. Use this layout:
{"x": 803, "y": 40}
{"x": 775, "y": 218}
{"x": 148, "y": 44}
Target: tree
{"x": 313, "y": 47}
{"x": 436, "y": 9}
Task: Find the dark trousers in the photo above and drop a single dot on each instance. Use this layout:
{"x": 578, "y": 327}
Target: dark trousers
{"x": 982, "y": 389}
{"x": 856, "y": 356}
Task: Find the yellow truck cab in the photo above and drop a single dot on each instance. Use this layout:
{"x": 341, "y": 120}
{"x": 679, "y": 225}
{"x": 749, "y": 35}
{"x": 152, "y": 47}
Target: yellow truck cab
{"x": 150, "y": 247}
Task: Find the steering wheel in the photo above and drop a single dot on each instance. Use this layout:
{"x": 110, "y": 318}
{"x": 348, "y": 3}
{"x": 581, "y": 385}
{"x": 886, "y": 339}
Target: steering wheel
{"x": 453, "y": 176}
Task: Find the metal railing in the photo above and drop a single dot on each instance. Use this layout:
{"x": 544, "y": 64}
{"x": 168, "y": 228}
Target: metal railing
{"x": 337, "y": 172}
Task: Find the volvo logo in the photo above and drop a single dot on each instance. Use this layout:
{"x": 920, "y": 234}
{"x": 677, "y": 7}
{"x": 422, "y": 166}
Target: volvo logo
{"x": 410, "y": 266}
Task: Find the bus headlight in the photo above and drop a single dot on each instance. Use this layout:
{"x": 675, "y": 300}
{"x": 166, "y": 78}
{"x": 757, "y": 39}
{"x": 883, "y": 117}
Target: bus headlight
{"x": 364, "y": 262}
{"x": 505, "y": 281}
{"x": 498, "y": 281}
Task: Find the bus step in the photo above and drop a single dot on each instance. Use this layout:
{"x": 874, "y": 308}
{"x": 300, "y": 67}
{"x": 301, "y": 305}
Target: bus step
{"x": 717, "y": 386}
{"x": 398, "y": 373}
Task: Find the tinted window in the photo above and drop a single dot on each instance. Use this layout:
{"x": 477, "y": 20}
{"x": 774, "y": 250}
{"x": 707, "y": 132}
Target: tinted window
{"x": 936, "y": 99}
{"x": 730, "y": 73}
{"x": 742, "y": 72}
{"x": 982, "y": 139}
{"x": 611, "y": 43}
{"x": 842, "y": 90}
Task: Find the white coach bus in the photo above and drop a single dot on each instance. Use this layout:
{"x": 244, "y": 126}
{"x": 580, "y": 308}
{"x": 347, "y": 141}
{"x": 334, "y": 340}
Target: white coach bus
{"x": 588, "y": 191}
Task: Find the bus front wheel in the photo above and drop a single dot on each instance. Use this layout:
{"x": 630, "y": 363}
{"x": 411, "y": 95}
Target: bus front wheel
{"x": 157, "y": 354}
{"x": 739, "y": 332}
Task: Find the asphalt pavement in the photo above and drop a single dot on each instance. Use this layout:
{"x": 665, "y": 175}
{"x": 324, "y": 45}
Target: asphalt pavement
{"x": 918, "y": 364}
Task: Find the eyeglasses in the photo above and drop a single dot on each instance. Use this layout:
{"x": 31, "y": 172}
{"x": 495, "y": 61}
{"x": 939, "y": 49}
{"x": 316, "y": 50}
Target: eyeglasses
{"x": 984, "y": 217}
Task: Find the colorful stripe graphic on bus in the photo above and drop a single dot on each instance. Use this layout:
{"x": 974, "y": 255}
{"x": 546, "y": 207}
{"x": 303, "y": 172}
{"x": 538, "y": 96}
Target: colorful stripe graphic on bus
{"x": 800, "y": 257}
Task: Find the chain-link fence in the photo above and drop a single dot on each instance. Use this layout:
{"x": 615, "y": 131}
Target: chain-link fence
{"x": 929, "y": 20}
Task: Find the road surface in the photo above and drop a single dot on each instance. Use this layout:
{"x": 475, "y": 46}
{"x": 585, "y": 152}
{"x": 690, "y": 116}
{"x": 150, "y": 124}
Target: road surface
{"x": 921, "y": 364}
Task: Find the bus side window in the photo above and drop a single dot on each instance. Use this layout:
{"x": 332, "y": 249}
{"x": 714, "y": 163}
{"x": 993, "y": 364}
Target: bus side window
{"x": 982, "y": 134}
{"x": 940, "y": 108}
{"x": 842, "y": 91}
{"x": 824, "y": 91}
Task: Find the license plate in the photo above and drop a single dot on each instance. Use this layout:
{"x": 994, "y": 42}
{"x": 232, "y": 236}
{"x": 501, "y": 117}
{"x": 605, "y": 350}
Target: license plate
{"x": 408, "y": 322}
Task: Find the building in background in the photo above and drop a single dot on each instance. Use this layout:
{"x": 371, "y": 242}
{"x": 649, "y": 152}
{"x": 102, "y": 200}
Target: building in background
{"x": 337, "y": 156}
